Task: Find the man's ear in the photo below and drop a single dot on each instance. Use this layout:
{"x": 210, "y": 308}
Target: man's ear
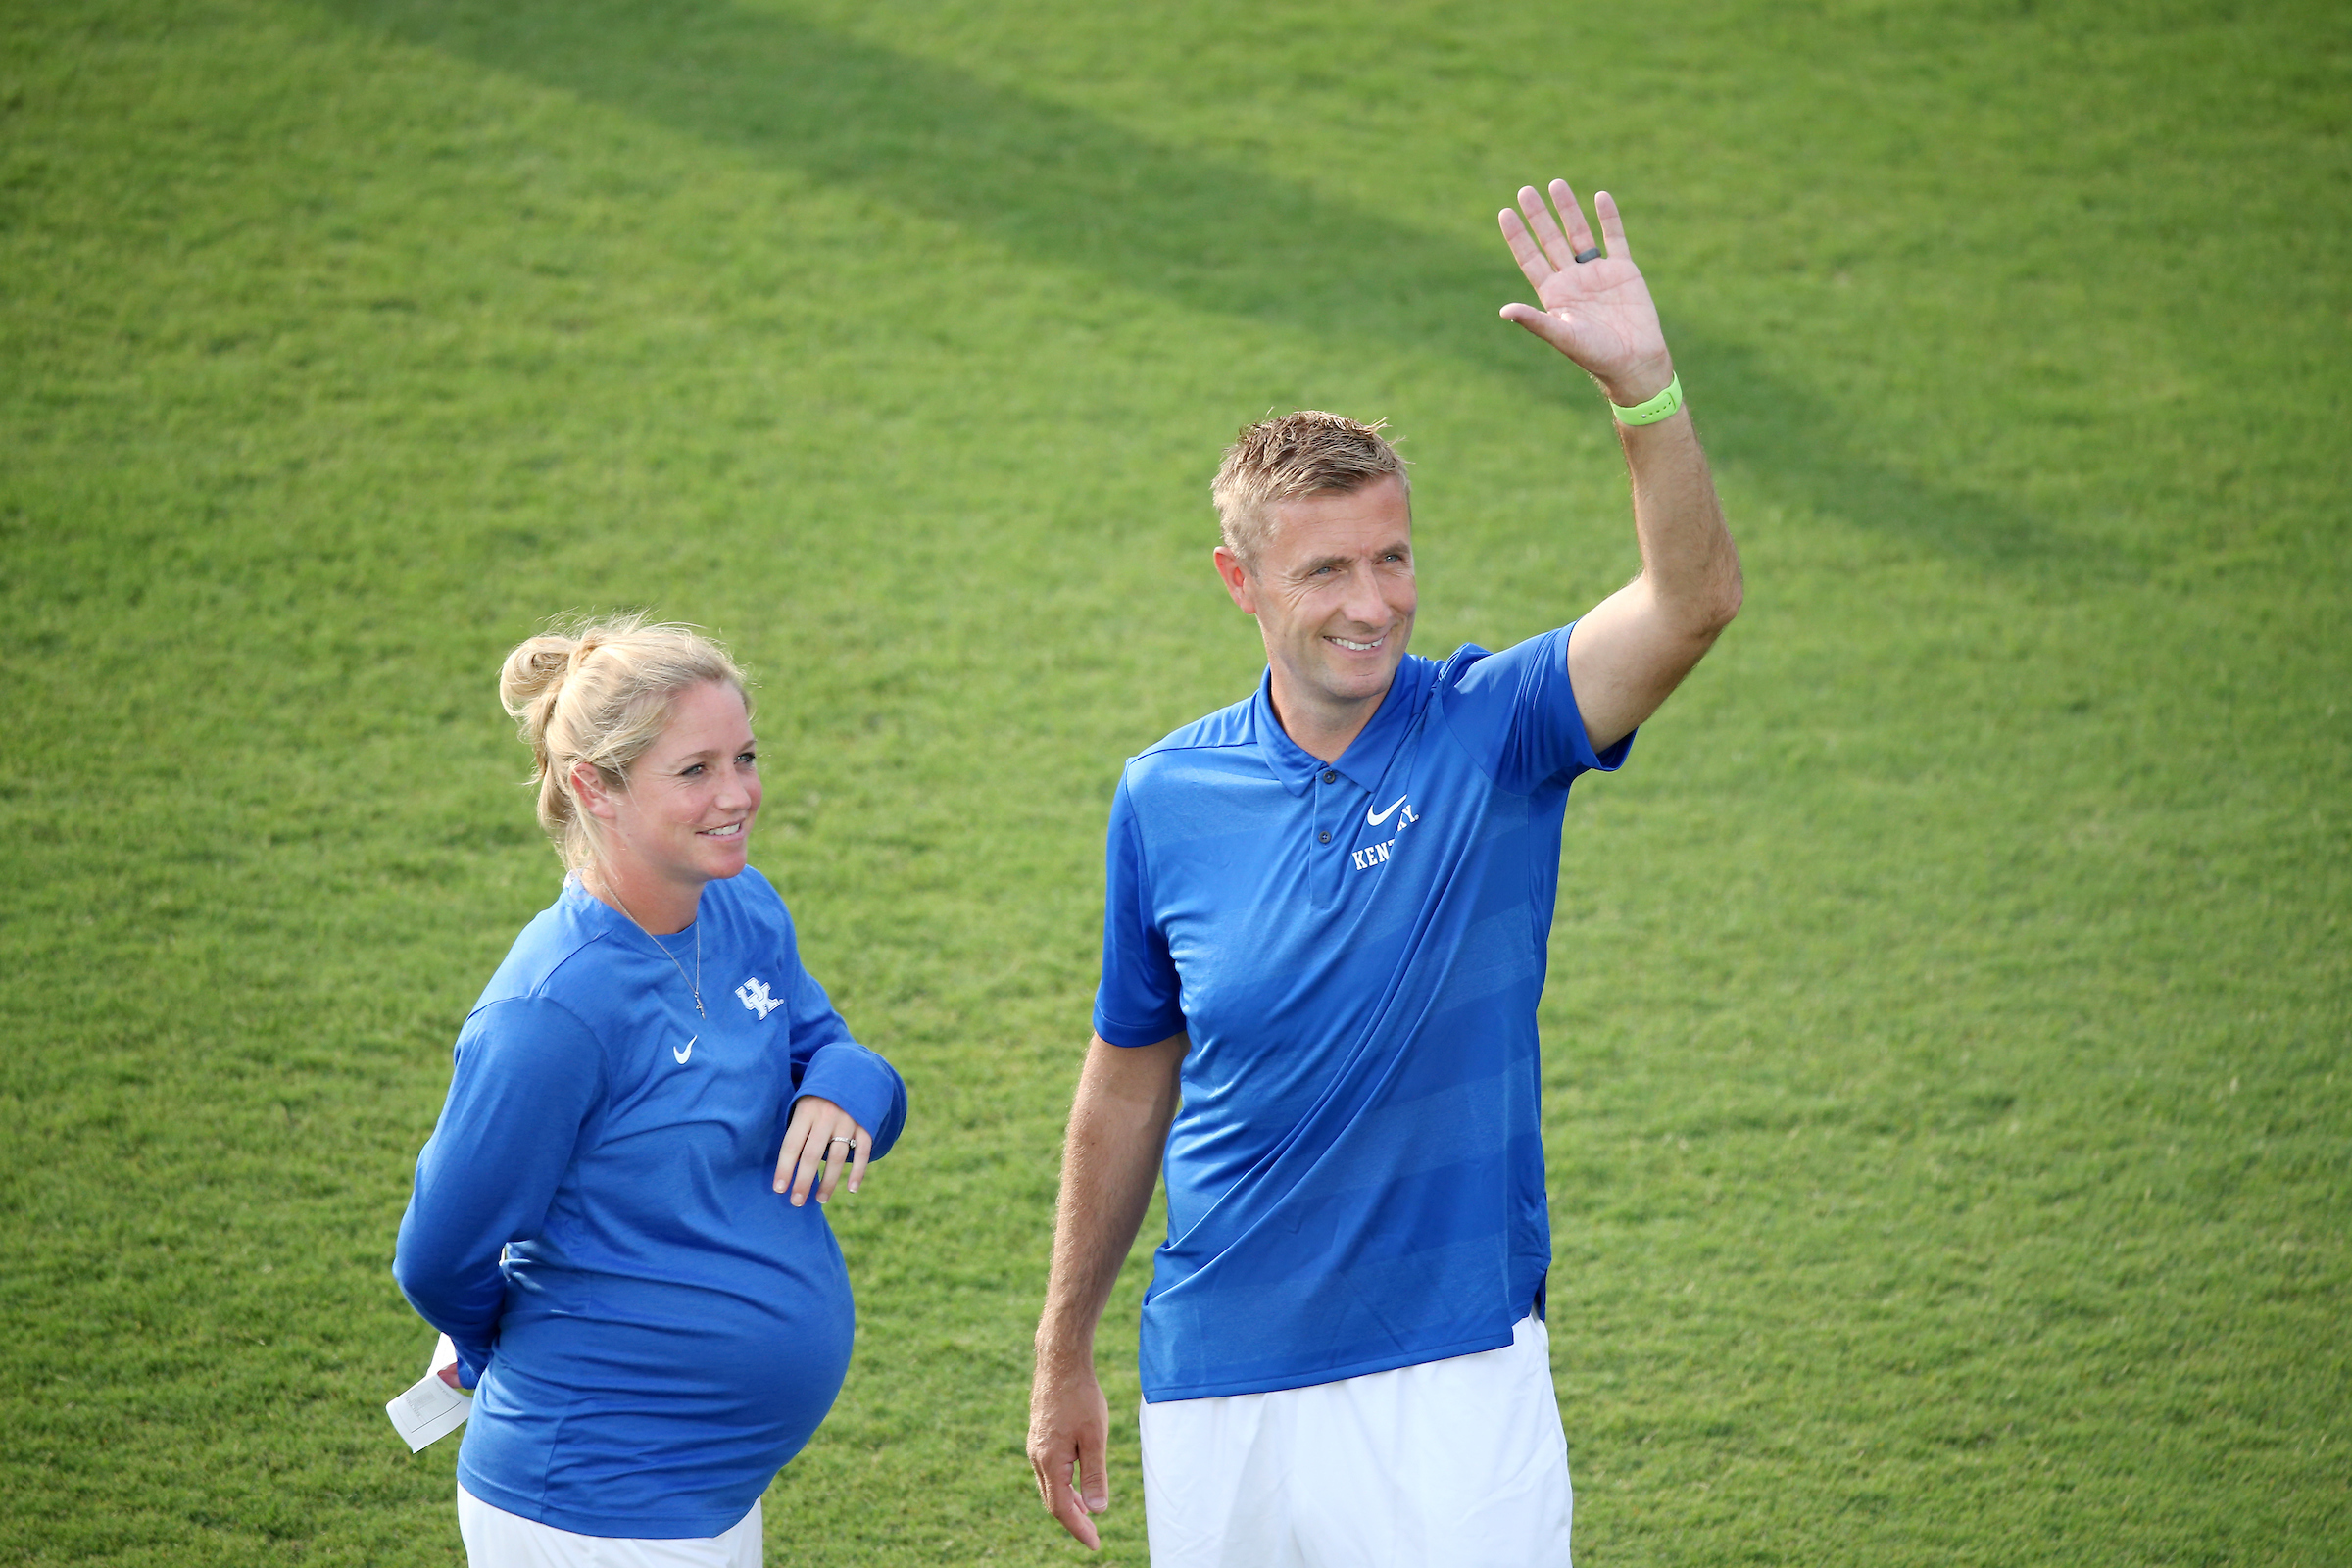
{"x": 1238, "y": 584}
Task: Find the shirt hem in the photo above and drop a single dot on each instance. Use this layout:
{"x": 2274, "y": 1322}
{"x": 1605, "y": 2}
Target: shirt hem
{"x": 608, "y": 1527}
{"x": 1278, "y": 1382}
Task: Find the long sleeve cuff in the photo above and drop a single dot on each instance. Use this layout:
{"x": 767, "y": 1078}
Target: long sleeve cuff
{"x": 862, "y": 1084}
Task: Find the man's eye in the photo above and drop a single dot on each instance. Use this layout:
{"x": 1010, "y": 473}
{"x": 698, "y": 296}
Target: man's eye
{"x": 749, "y": 758}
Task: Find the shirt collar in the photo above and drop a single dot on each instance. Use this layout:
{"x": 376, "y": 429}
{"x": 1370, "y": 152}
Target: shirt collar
{"x": 1367, "y": 757}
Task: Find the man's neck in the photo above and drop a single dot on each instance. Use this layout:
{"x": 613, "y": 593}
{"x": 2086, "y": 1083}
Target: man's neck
{"x": 1324, "y": 729}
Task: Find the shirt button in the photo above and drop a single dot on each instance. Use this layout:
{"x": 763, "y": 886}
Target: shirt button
{"x": 1324, "y": 838}
{"x": 1330, "y": 777}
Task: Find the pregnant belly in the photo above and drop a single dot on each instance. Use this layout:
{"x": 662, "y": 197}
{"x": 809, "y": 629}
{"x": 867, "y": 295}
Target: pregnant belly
{"x": 605, "y": 1384}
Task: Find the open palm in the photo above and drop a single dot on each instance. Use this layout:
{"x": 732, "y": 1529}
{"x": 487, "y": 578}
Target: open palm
{"x": 1597, "y": 312}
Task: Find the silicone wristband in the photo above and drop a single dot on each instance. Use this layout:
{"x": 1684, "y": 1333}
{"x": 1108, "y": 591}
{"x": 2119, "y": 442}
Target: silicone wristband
{"x": 1661, "y": 407}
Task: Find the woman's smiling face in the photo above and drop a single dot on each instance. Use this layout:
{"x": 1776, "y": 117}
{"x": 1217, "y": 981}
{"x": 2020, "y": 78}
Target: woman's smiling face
{"x": 685, "y": 817}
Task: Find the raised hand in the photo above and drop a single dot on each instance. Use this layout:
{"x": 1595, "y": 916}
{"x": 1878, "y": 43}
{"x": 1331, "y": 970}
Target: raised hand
{"x": 1598, "y": 311}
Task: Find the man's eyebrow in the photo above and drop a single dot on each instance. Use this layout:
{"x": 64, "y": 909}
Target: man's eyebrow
{"x": 1399, "y": 546}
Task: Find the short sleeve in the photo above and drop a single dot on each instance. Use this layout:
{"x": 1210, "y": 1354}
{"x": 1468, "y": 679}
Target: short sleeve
{"x": 1515, "y": 712}
{"x": 1138, "y": 1002}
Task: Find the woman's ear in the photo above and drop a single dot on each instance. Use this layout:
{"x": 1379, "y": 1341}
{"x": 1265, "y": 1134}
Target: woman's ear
{"x": 588, "y": 788}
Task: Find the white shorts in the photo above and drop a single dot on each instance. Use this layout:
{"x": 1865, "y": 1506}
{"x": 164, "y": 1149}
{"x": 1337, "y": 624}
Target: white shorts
{"x": 497, "y": 1538}
{"x": 1460, "y": 1461}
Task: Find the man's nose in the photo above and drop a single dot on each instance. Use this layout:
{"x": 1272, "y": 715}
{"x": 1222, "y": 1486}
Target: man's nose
{"x": 1364, "y": 604}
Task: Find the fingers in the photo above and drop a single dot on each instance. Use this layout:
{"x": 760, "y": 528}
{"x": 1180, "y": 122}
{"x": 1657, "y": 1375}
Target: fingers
{"x": 827, "y": 1153}
{"x": 1094, "y": 1445}
{"x": 1612, "y": 226}
{"x": 1054, "y": 1473}
{"x": 1524, "y": 250}
{"x": 804, "y": 1168}
{"x": 1545, "y": 244}
{"x": 1070, "y": 1434}
{"x": 1050, "y": 1460}
{"x": 795, "y": 1137}
{"x": 1542, "y": 323}
{"x": 822, "y": 1139}
{"x": 843, "y": 1145}
{"x": 1572, "y": 213}
{"x": 1545, "y": 228}
{"x": 1062, "y": 1502}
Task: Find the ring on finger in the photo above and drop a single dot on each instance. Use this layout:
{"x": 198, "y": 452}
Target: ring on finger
{"x": 1590, "y": 254}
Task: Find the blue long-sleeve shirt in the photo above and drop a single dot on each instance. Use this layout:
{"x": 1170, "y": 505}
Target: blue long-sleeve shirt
{"x": 651, "y": 1330}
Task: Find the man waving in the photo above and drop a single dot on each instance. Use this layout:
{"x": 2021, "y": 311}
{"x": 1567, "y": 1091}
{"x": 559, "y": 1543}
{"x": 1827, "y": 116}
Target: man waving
{"x": 1324, "y": 938}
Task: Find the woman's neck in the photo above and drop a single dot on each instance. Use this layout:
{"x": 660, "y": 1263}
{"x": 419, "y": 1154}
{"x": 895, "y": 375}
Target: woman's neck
{"x": 661, "y": 907}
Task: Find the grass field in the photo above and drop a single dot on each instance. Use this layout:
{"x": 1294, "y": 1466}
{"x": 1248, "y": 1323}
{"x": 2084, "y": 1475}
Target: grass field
{"x": 1949, "y": 1038}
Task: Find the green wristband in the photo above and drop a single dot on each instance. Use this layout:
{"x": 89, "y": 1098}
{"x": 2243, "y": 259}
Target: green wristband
{"x": 1661, "y": 407}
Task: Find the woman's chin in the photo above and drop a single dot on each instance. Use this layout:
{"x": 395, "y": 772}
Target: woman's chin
{"x": 722, "y": 862}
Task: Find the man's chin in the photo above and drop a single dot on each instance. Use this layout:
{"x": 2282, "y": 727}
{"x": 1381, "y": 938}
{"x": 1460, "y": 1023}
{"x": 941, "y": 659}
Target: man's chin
{"x": 1355, "y": 680}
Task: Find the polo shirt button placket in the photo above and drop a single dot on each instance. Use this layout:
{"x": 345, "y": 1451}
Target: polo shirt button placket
{"x": 1328, "y": 878}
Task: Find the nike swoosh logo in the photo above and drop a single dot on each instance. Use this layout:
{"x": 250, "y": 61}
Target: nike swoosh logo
{"x": 1378, "y": 818}
{"x": 683, "y": 1054}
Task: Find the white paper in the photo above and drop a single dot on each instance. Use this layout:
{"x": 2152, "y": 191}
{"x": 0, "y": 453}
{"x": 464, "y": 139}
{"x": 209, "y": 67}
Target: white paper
{"x": 430, "y": 1409}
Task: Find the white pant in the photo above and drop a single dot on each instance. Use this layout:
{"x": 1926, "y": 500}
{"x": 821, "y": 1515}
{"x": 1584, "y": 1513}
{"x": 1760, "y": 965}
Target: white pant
{"x": 497, "y": 1538}
{"x": 1460, "y": 1461}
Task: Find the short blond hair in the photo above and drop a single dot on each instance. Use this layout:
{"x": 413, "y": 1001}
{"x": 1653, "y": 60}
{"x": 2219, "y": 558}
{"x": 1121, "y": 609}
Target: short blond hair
{"x": 601, "y": 693}
{"x": 1302, "y": 454}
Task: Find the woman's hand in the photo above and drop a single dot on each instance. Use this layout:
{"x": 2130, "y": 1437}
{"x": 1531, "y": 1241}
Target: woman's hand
{"x": 821, "y": 1133}
{"x": 447, "y": 1367}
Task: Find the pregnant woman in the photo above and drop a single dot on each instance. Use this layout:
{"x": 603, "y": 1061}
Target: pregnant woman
{"x": 611, "y": 1222}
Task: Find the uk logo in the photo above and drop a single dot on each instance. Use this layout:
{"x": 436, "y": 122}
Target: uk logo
{"x": 752, "y": 994}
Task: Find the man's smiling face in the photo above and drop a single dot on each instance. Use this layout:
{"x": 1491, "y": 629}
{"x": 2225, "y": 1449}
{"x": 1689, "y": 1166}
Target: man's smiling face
{"x": 1332, "y": 588}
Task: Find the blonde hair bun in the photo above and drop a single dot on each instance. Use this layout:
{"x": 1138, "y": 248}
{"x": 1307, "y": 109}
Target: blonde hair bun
{"x": 601, "y": 693}
{"x": 530, "y": 678}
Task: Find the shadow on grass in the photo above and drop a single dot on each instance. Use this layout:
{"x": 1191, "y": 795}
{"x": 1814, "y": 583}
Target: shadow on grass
{"x": 1053, "y": 182}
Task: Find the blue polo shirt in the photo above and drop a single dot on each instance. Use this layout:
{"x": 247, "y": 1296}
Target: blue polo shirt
{"x": 1355, "y": 1178}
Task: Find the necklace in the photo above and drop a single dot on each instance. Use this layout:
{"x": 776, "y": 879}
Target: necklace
{"x": 693, "y": 985}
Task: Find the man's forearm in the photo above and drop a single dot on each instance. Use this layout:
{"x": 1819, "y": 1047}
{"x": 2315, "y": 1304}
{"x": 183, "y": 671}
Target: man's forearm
{"x": 1688, "y": 558}
{"x": 1110, "y": 1159}
{"x": 1635, "y": 647}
